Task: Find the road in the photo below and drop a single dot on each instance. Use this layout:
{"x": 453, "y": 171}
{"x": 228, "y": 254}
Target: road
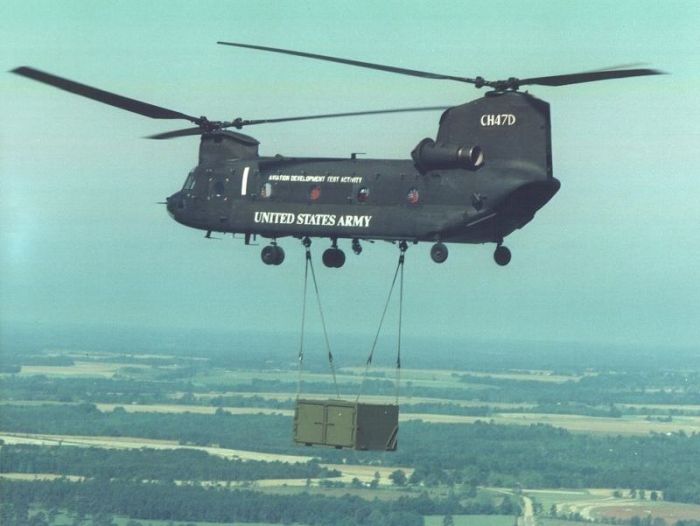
{"x": 528, "y": 516}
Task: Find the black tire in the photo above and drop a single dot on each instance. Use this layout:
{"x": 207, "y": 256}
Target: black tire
{"x": 439, "y": 253}
{"x": 269, "y": 255}
{"x": 279, "y": 255}
{"x": 333, "y": 258}
{"x": 502, "y": 256}
{"x": 328, "y": 257}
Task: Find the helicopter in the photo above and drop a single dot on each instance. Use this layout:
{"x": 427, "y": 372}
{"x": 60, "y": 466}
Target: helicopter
{"x": 485, "y": 175}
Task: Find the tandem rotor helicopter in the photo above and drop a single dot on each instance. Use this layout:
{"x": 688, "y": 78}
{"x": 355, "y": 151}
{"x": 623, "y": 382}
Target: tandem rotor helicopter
{"x": 486, "y": 174}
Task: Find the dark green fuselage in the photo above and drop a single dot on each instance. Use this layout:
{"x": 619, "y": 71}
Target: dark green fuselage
{"x": 439, "y": 195}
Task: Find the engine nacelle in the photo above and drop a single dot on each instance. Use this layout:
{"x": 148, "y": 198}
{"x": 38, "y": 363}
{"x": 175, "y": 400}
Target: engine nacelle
{"x": 430, "y": 156}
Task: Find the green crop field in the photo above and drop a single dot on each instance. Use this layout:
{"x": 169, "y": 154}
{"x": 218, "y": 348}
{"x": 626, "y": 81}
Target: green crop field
{"x": 472, "y": 520}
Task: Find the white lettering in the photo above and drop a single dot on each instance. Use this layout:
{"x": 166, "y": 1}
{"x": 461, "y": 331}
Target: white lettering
{"x": 288, "y": 218}
{"x": 302, "y": 178}
{"x": 274, "y": 218}
{"x": 498, "y": 119}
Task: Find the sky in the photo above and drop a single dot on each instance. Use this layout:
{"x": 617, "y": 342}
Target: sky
{"x": 613, "y": 258}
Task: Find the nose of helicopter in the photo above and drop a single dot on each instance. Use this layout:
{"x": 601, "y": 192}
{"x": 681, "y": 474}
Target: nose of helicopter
{"x": 173, "y": 203}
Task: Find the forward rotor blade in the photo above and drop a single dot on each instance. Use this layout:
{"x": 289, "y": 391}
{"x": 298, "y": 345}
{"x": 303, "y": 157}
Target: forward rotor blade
{"x": 381, "y": 67}
{"x": 240, "y": 137}
{"x": 591, "y": 76}
{"x": 242, "y": 123}
{"x": 124, "y": 103}
{"x": 177, "y": 133}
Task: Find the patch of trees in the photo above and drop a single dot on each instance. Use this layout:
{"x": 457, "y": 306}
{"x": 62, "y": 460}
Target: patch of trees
{"x": 542, "y": 456}
{"x": 269, "y": 433}
{"x": 688, "y": 491}
{"x": 149, "y": 464}
{"x": 40, "y": 387}
{"x": 167, "y": 501}
{"x": 481, "y": 453}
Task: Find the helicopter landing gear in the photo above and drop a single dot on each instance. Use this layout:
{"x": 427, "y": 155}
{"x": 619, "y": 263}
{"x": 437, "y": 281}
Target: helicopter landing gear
{"x": 334, "y": 257}
{"x": 272, "y": 255}
{"x": 356, "y": 247}
{"x": 438, "y": 253}
{"x": 501, "y": 255}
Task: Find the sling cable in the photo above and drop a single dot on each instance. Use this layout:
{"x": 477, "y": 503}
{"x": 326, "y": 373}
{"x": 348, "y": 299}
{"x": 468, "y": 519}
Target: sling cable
{"x": 343, "y": 423}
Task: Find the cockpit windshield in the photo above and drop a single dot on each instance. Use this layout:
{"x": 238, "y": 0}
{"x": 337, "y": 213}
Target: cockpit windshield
{"x": 189, "y": 182}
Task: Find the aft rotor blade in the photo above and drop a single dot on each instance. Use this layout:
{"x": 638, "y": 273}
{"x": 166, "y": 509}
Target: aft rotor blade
{"x": 631, "y": 65}
{"x": 590, "y": 76}
{"x": 177, "y": 133}
{"x": 241, "y": 123}
{"x": 124, "y": 103}
{"x": 358, "y": 63}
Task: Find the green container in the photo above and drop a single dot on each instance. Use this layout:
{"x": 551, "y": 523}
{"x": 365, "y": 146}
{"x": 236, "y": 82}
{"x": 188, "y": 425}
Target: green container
{"x": 344, "y": 424}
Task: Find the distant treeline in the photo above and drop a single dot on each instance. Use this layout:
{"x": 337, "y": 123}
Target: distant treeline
{"x": 248, "y": 349}
{"x": 149, "y": 464}
{"x": 591, "y": 395}
{"x": 536, "y": 456}
{"x": 645, "y": 387}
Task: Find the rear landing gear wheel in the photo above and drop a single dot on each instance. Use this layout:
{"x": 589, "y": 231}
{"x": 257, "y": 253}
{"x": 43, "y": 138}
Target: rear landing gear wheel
{"x": 333, "y": 258}
{"x": 501, "y": 255}
{"x": 272, "y": 255}
{"x": 438, "y": 253}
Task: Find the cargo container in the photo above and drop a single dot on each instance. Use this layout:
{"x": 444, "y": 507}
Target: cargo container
{"x": 346, "y": 424}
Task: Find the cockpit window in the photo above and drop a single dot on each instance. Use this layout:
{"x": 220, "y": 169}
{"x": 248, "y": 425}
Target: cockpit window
{"x": 189, "y": 182}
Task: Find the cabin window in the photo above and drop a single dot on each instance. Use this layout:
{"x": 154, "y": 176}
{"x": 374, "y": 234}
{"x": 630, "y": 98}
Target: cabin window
{"x": 219, "y": 189}
{"x": 266, "y": 190}
{"x": 315, "y": 192}
{"x": 413, "y": 197}
{"x": 363, "y": 194}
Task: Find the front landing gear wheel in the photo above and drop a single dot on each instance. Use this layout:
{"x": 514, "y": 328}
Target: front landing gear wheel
{"x": 272, "y": 255}
{"x": 438, "y": 253}
{"x": 501, "y": 255}
{"x": 279, "y": 255}
{"x": 333, "y": 258}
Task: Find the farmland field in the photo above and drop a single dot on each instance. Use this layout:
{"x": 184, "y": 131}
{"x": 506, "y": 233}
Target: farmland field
{"x": 471, "y": 520}
{"x": 597, "y": 504}
{"x": 477, "y": 434}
